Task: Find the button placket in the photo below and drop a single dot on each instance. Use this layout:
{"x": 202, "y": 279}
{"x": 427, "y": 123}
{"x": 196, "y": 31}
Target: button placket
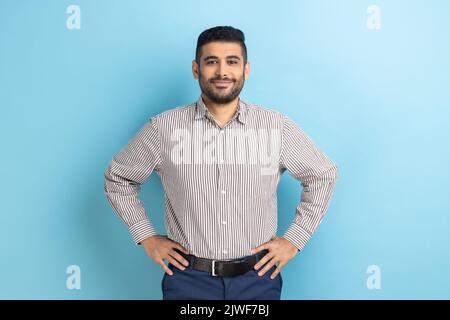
{"x": 223, "y": 203}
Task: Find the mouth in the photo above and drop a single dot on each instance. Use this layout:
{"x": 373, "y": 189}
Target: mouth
{"x": 222, "y": 83}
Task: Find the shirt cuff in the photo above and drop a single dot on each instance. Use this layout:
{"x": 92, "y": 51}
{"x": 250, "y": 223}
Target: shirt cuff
{"x": 141, "y": 230}
{"x": 297, "y": 236}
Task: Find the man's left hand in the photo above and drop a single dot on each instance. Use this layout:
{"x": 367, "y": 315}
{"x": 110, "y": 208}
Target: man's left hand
{"x": 280, "y": 251}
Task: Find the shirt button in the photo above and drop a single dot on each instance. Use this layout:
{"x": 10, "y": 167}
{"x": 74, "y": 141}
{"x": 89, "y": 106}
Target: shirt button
{"x": 224, "y": 222}
{"x": 222, "y": 160}
{"x": 223, "y": 191}
{"x": 225, "y": 251}
{"x": 221, "y": 131}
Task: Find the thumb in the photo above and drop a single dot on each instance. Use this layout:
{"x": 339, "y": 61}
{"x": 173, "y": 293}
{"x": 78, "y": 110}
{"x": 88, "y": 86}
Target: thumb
{"x": 260, "y": 248}
{"x": 181, "y": 248}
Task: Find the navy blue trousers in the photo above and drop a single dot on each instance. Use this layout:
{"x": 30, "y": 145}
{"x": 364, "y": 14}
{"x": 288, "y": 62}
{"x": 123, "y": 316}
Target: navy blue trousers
{"x": 190, "y": 284}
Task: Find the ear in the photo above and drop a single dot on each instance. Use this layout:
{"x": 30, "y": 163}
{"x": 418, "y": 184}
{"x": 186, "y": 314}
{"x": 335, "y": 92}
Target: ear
{"x": 247, "y": 70}
{"x": 195, "y": 67}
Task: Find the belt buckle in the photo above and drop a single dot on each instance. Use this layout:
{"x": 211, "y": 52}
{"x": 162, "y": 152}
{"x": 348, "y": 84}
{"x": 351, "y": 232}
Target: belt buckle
{"x": 214, "y": 268}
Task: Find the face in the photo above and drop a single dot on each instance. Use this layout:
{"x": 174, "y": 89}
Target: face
{"x": 221, "y": 72}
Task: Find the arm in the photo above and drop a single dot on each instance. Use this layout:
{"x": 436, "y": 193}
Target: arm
{"x": 126, "y": 172}
{"x": 128, "y": 169}
{"x": 317, "y": 174}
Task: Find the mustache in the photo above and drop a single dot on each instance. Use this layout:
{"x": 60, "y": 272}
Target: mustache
{"x": 221, "y": 79}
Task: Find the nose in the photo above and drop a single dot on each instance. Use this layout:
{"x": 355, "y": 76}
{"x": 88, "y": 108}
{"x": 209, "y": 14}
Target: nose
{"x": 221, "y": 70}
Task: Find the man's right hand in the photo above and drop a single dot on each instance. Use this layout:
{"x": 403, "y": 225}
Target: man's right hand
{"x": 160, "y": 247}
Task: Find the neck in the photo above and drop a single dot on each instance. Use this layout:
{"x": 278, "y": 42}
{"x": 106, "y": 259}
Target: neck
{"x": 221, "y": 112}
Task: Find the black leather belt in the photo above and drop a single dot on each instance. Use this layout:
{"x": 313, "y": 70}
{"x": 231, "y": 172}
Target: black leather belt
{"x": 223, "y": 268}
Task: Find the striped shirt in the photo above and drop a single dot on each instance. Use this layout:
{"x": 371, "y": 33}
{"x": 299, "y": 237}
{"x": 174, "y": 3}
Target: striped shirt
{"x": 220, "y": 184}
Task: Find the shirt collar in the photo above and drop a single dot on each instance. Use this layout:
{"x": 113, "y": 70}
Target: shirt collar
{"x": 201, "y": 110}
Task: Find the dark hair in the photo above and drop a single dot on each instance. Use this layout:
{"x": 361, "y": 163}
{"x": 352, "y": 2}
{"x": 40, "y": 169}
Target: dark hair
{"x": 221, "y": 33}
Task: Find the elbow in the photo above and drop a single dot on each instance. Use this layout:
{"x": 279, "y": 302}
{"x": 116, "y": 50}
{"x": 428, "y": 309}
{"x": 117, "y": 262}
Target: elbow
{"x": 107, "y": 179}
{"x": 333, "y": 173}
{"x": 107, "y": 174}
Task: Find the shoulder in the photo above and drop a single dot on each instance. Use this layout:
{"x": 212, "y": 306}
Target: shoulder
{"x": 261, "y": 112}
{"x": 174, "y": 114}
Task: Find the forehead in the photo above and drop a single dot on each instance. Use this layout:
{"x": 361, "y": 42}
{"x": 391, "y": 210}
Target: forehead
{"x": 222, "y": 49}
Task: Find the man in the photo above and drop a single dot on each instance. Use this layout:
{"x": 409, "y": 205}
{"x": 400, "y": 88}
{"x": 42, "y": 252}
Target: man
{"x": 220, "y": 160}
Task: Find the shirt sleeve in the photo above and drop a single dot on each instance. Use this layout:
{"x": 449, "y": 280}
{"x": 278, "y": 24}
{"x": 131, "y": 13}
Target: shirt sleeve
{"x": 125, "y": 173}
{"x": 317, "y": 174}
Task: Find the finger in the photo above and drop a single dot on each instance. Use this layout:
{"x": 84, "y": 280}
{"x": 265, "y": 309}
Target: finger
{"x": 263, "y": 260}
{"x": 277, "y": 271}
{"x": 266, "y": 267}
{"x": 179, "y": 257}
{"x": 175, "y": 263}
{"x": 176, "y": 252}
{"x": 165, "y": 268}
{"x": 181, "y": 248}
{"x": 260, "y": 248}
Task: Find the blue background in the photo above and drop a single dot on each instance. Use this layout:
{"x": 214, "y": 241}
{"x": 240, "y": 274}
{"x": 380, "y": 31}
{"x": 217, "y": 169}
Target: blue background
{"x": 375, "y": 101}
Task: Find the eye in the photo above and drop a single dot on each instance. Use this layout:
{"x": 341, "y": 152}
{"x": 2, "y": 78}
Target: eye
{"x": 210, "y": 61}
{"x": 232, "y": 62}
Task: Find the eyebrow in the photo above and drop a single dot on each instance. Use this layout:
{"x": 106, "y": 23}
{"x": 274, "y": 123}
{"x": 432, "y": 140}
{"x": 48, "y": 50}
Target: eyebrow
{"x": 216, "y": 57}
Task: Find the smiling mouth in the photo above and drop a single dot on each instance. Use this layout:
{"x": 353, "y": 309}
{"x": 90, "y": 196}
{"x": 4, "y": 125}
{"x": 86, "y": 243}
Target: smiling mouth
{"x": 222, "y": 83}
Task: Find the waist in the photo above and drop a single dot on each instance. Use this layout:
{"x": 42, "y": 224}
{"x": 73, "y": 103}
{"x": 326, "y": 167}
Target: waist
{"x": 223, "y": 268}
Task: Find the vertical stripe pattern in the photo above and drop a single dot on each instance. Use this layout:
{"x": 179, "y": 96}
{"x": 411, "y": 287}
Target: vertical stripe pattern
{"x": 220, "y": 184}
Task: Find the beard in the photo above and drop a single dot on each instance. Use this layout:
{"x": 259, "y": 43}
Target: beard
{"x": 221, "y": 96}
